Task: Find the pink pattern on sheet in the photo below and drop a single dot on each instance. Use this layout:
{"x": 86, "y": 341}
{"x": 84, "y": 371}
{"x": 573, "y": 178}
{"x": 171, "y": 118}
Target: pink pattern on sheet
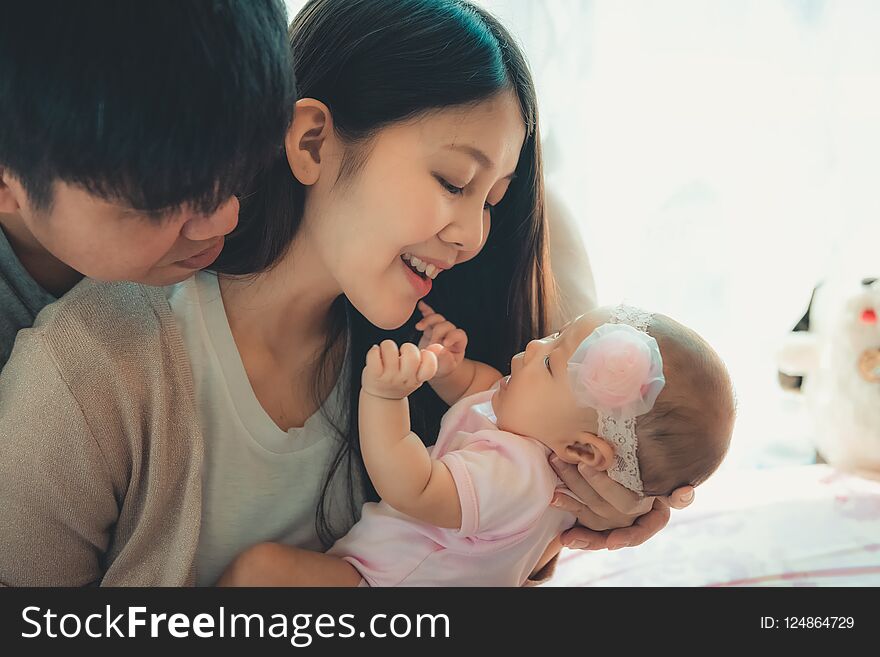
{"x": 832, "y": 572}
{"x": 796, "y": 526}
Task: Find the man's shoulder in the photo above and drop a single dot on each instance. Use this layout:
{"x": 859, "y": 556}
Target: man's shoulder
{"x": 99, "y": 325}
{"x": 102, "y": 306}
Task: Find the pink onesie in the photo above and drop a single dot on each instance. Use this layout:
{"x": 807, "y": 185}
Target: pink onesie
{"x": 504, "y": 485}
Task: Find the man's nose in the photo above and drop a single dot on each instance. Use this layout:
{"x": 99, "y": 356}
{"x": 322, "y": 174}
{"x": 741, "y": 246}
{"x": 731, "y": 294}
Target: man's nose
{"x": 202, "y": 227}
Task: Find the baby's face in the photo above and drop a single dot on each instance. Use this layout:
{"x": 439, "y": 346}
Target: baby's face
{"x": 536, "y": 399}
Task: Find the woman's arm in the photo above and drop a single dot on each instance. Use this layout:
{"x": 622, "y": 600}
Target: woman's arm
{"x": 399, "y": 465}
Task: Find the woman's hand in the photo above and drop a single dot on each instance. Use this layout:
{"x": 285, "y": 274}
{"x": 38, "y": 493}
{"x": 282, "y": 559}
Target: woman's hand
{"x": 612, "y": 516}
{"x": 439, "y": 331}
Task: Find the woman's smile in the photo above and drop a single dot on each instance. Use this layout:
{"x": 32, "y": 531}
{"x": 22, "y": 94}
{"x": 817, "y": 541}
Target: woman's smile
{"x": 430, "y": 268}
{"x": 421, "y": 282}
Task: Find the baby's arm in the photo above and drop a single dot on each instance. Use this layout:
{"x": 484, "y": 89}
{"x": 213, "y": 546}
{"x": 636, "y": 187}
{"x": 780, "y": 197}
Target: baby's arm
{"x": 273, "y": 564}
{"x": 404, "y": 474}
{"x": 456, "y": 376}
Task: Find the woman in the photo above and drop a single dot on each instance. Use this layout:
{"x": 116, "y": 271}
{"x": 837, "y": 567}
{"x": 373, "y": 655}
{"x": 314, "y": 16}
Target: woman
{"x": 150, "y": 435}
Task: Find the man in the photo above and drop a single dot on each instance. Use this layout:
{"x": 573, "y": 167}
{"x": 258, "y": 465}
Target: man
{"x": 125, "y": 129}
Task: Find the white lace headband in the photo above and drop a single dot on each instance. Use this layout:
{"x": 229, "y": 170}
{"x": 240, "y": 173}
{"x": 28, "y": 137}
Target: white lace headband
{"x": 618, "y": 371}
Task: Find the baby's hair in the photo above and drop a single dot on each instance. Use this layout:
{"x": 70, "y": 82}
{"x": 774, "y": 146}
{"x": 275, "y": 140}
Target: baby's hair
{"x": 684, "y": 437}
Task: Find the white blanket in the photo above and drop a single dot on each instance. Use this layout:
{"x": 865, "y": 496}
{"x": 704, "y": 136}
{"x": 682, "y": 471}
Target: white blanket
{"x": 793, "y": 526}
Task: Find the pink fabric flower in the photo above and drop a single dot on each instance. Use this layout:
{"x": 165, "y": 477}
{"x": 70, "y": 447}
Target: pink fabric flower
{"x": 617, "y": 369}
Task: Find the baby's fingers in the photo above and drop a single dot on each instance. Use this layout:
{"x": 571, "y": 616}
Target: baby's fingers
{"x": 373, "y": 367}
{"x": 440, "y": 332}
{"x": 390, "y": 358}
{"x": 455, "y": 341}
{"x": 428, "y": 366}
{"x": 429, "y": 320}
{"x": 410, "y": 359}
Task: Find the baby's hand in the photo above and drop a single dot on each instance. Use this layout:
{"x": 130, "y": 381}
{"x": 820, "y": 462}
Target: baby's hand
{"x": 393, "y": 373}
{"x": 443, "y": 338}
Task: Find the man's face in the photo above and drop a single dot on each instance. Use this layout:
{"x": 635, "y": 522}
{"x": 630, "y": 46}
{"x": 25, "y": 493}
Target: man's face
{"x": 110, "y": 242}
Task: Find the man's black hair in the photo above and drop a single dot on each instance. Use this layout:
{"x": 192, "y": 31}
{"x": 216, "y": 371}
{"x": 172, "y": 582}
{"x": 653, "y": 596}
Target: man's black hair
{"x": 150, "y": 103}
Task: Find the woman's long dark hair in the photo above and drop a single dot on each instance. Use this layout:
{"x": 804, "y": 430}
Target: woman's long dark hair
{"x": 374, "y": 63}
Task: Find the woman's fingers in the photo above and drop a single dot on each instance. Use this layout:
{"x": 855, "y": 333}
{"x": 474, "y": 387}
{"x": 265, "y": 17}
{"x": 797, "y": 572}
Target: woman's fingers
{"x": 620, "y": 497}
{"x": 645, "y": 526}
{"x": 642, "y": 529}
{"x": 609, "y": 508}
{"x": 585, "y": 516}
{"x": 576, "y": 483}
{"x": 581, "y": 538}
{"x": 681, "y": 497}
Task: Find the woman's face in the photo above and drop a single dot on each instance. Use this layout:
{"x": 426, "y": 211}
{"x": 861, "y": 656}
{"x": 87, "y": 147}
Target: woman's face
{"x": 422, "y": 197}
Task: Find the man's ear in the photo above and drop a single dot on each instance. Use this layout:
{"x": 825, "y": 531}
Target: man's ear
{"x": 8, "y": 202}
{"x": 591, "y": 450}
{"x": 307, "y": 138}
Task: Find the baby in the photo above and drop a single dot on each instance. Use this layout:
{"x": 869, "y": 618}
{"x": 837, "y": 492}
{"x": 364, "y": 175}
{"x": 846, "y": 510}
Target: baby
{"x": 637, "y": 395}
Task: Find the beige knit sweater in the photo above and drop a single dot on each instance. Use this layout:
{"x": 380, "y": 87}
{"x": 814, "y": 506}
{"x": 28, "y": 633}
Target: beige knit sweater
{"x": 100, "y": 447}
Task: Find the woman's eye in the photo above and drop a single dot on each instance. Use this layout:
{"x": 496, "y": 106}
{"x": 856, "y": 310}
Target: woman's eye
{"x": 448, "y": 186}
{"x": 487, "y": 206}
{"x": 547, "y": 363}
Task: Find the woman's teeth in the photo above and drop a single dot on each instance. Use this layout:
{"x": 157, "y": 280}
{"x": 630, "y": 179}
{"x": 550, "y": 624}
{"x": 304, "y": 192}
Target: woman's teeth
{"x": 422, "y": 267}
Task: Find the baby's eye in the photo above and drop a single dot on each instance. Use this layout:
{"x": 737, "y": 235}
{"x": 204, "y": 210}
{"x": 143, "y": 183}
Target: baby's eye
{"x": 547, "y": 363}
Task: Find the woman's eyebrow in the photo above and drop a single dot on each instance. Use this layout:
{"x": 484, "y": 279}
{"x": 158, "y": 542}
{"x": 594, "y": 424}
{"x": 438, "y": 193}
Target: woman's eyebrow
{"x": 481, "y": 158}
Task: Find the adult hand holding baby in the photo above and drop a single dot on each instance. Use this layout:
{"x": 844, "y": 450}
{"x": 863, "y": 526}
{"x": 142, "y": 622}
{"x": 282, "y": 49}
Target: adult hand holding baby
{"x": 611, "y": 516}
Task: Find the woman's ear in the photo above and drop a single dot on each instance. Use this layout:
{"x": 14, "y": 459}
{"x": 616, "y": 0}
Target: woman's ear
{"x": 307, "y": 136}
{"x": 591, "y": 450}
{"x": 8, "y": 202}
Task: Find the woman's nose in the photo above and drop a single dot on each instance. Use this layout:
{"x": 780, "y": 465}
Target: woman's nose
{"x": 203, "y": 227}
{"x": 467, "y": 231}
